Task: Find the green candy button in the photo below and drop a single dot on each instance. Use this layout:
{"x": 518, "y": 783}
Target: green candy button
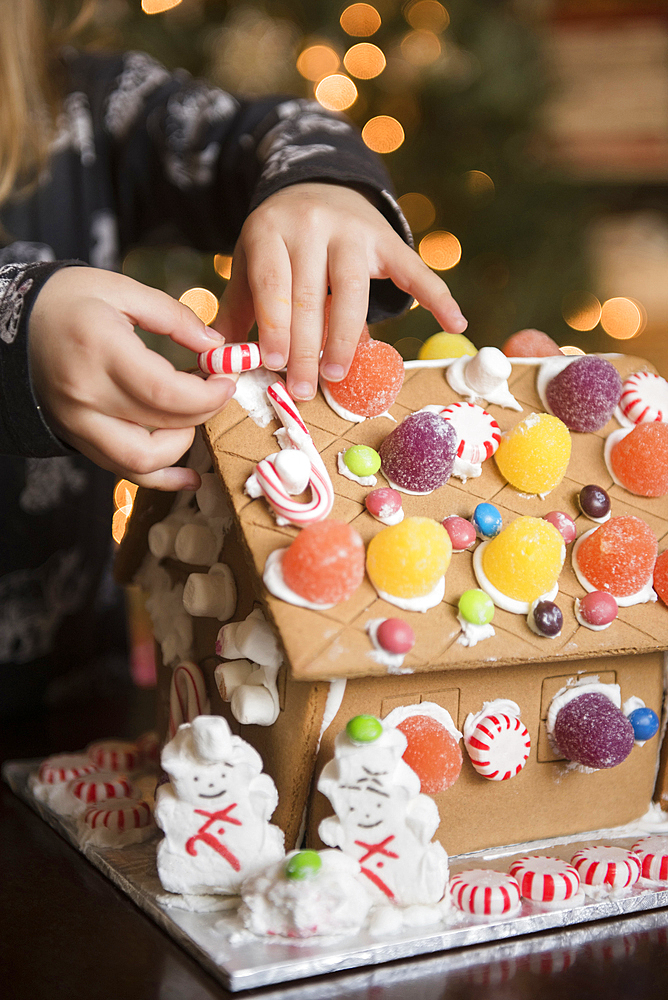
{"x": 364, "y": 729}
{"x": 476, "y": 607}
{"x": 362, "y": 460}
{"x": 303, "y": 865}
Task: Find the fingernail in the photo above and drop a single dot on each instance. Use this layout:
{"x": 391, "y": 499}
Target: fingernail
{"x": 210, "y": 334}
{"x": 303, "y": 390}
{"x": 333, "y": 373}
{"x": 459, "y": 322}
{"x": 229, "y": 384}
{"x": 273, "y": 361}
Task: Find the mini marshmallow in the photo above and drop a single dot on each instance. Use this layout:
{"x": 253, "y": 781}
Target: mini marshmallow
{"x": 487, "y": 370}
{"x": 253, "y": 705}
{"x": 162, "y": 534}
{"x": 196, "y": 545}
{"x": 230, "y": 676}
{"x": 210, "y": 499}
{"x": 256, "y": 639}
{"x": 212, "y": 594}
{"x": 294, "y": 470}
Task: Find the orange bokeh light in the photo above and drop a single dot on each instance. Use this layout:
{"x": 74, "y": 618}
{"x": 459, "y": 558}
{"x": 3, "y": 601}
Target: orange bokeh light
{"x": 360, "y": 19}
{"x": 383, "y": 134}
{"x": 570, "y": 349}
{"x": 336, "y": 92}
{"x": 418, "y": 209}
{"x": 158, "y": 6}
{"x": 124, "y": 497}
{"x": 478, "y": 183}
{"x": 202, "y": 302}
{"x": 440, "y": 250}
{"x": 428, "y": 15}
{"x": 317, "y": 61}
{"x": 581, "y": 310}
{"x": 222, "y": 264}
{"x": 420, "y": 48}
{"x": 364, "y": 60}
{"x": 622, "y": 318}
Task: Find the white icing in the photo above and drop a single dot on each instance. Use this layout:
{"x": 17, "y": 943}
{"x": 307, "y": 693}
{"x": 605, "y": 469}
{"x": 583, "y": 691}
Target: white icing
{"x": 395, "y": 518}
{"x": 341, "y": 411}
{"x": 403, "y": 489}
{"x": 251, "y": 394}
{"x": 276, "y": 585}
{"x": 647, "y": 594}
{"x": 172, "y": 625}
{"x": 345, "y": 471}
{"x": 630, "y": 705}
{"x": 337, "y": 689}
{"x": 393, "y": 661}
{"x": 502, "y": 600}
{"x": 424, "y": 603}
{"x": 472, "y": 633}
{"x": 583, "y": 686}
{"x": 429, "y": 708}
{"x": 498, "y": 706}
{"x": 483, "y": 376}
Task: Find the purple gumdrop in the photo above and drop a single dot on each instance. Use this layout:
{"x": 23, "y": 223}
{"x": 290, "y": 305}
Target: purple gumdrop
{"x": 584, "y": 395}
{"x": 592, "y": 731}
{"x": 420, "y": 453}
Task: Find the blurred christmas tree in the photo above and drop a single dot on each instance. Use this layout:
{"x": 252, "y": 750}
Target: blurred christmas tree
{"x": 450, "y": 96}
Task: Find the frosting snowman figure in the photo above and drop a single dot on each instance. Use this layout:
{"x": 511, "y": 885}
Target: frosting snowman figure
{"x": 214, "y": 811}
{"x": 382, "y": 820}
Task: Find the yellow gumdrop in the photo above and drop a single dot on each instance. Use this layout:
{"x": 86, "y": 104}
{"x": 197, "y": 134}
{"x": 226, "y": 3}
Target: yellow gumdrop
{"x": 446, "y": 345}
{"x": 408, "y": 559}
{"x": 534, "y": 455}
{"x": 525, "y": 559}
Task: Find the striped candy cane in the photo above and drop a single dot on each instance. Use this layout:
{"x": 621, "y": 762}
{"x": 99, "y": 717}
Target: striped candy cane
{"x": 187, "y": 695}
{"x": 230, "y": 359}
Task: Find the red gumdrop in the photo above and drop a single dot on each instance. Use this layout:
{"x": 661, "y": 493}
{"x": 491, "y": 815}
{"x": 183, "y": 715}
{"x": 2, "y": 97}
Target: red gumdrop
{"x": 373, "y": 382}
{"x": 432, "y": 752}
{"x": 462, "y": 533}
{"x": 640, "y": 460}
{"x": 395, "y": 635}
{"x": 383, "y": 502}
{"x": 661, "y": 576}
{"x": 598, "y": 608}
{"x": 564, "y": 524}
{"x": 619, "y": 556}
{"x": 530, "y": 344}
{"x": 325, "y": 562}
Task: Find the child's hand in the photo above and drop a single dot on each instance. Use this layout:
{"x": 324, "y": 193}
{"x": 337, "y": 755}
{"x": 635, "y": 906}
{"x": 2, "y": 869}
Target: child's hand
{"x": 296, "y": 243}
{"x": 101, "y": 388}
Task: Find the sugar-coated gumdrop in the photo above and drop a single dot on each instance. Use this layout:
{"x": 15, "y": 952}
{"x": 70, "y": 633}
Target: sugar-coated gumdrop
{"x": 432, "y": 752}
{"x": 640, "y": 460}
{"x": 597, "y": 608}
{"x": 548, "y": 618}
{"x": 420, "y": 453}
{"x": 525, "y": 559}
{"x": 592, "y": 731}
{"x": 564, "y": 524}
{"x": 373, "y": 381}
{"x": 619, "y": 556}
{"x": 395, "y": 635}
{"x": 303, "y": 865}
{"x": 594, "y": 502}
{"x": 661, "y": 576}
{"x": 462, "y": 533}
{"x": 383, "y": 502}
{"x": 362, "y": 460}
{"x": 325, "y": 562}
{"x": 446, "y": 345}
{"x": 408, "y": 559}
{"x": 487, "y": 520}
{"x": 584, "y": 395}
{"x": 645, "y": 723}
{"x": 530, "y": 344}
{"x": 476, "y": 607}
{"x": 534, "y": 455}
{"x": 364, "y": 729}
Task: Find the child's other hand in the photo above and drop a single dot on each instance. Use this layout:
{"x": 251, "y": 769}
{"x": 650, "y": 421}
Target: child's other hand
{"x": 296, "y": 243}
{"x": 103, "y": 391}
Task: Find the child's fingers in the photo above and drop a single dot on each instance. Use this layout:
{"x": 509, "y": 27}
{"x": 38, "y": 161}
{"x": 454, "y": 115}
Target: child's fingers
{"x": 410, "y": 273}
{"x": 309, "y": 292}
{"x": 235, "y": 311}
{"x": 159, "y": 313}
{"x": 269, "y": 280}
{"x": 349, "y": 283}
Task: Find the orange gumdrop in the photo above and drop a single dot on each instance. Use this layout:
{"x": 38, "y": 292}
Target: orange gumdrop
{"x": 432, "y": 752}
{"x": 325, "y": 562}
{"x": 373, "y": 381}
{"x": 365, "y": 335}
{"x": 661, "y": 576}
{"x": 619, "y": 556}
{"x": 640, "y": 460}
{"x": 530, "y": 344}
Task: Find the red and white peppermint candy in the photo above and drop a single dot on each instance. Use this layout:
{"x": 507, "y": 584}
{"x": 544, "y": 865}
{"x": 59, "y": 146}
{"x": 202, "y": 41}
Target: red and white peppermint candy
{"x": 644, "y": 398}
{"x": 485, "y": 893}
{"x": 545, "y": 880}
{"x": 653, "y": 855}
{"x": 65, "y": 767}
{"x": 101, "y": 786}
{"x": 230, "y": 359}
{"x": 114, "y": 755}
{"x": 477, "y": 430}
{"x": 188, "y": 696}
{"x": 499, "y": 746}
{"x": 119, "y": 815}
{"x": 612, "y": 866}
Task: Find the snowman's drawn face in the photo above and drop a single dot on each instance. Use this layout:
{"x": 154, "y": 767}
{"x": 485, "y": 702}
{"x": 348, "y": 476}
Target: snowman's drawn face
{"x": 368, "y": 801}
{"x": 208, "y": 783}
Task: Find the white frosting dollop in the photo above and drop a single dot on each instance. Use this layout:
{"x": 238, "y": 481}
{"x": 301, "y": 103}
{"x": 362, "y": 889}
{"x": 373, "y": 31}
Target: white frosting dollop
{"x": 341, "y": 411}
{"x": 423, "y": 604}
{"x": 251, "y": 394}
{"x": 483, "y": 376}
{"x": 345, "y": 471}
{"x": 472, "y": 634}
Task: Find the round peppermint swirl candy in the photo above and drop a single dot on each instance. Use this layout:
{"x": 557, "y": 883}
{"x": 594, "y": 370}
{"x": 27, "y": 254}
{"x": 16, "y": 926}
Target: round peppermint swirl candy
{"x": 477, "y": 430}
{"x": 65, "y": 767}
{"x": 653, "y": 855}
{"x": 485, "y": 893}
{"x": 545, "y": 880}
{"x": 119, "y": 815}
{"x": 644, "y": 398}
{"x": 100, "y": 786}
{"x": 114, "y": 755}
{"x": 499, "y": 746}
{"x": 614, "y": 867}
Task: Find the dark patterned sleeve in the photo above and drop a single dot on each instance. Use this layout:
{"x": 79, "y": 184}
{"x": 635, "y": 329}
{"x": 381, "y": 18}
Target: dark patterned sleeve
{"x": 23, "y": 429}
{"x": 194, "y": 156}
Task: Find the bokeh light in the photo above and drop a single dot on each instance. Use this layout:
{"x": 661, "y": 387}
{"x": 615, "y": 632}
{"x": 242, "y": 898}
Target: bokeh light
{"x": 222, "y": 264}
{"x": 360, "y": 19}
{"x": 622, "y": 318}
{"x": 581, "y": 310}
{"x": 479, "y": 184}
{"x": 440, "y": 250}
{"x": 158, "y": 6}
{"x": 428, "y": 15}
{"x": 418, "y": 209}
{"x": 336, "y": 92}
{"x": 420, "y": 48}
{"x": 124, "y": 497}
{"x": 408, "y": 347}
{"x": 570, "y": 349}
{"x": 383, "y": 134}
{"x": 364, "y": 60}
{"x": 318, "y": 61}
{"x": 202, "y": 302}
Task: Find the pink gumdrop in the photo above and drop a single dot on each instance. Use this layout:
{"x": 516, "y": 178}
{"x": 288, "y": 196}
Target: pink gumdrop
{"x": 564, "y": 524}
{"x": 395, "y": 635}
{"x": 383, "y": 502}
{"x": 462, "y": 533}
{"x": 530, "y": 344}
{"x": 598, "y": 608}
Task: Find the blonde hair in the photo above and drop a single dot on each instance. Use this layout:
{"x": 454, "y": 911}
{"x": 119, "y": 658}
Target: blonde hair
{"x": 30, "y": 34}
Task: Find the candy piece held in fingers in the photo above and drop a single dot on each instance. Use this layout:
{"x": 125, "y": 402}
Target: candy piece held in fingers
{"x": 485, "y": 893}
{"x": 409, "y": 560}
{"x": 385, "y": 505}
{"x": 64, "y": 767}
{"x": 446, "y": 345}
{"x": 523, "y": 562}
{"x": 462, "y": 533}
{"x": 432, "y": 752}
{"x": 618, "y": 557}
{"x": 644, "y": 398}
{"x": 534, "y": 455}
{"x": 230, "y": 359}
{"x": 590, "y": 730}
{"x": 653, "y": 856}
{"x": 546, "y": 880}
{"x": 325, "y": 562}
{"x": 487, "y": 520}
{"x": 661, "y": 576}
{"x": 585, "y": 393}
{"x": 530, "y": 344}
{"x": 395, "y": 635}
{"x": 545, "y": 618}
{"x": 594, "y": 502}
{"x": 639, "y": 460}
{"x": 564, "y": 524}
{"x": 419, "y": 455}
{"x": 596, "y": 610}
{"x": 614, "y": 867}
{"x": 372, "y": 383}
{"x": 645, "y": 723}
